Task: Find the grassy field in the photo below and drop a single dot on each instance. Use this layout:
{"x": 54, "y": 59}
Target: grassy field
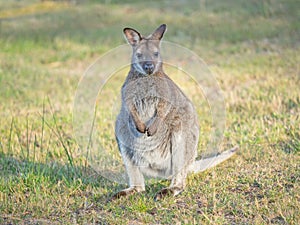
{"x": 251, "y": 46}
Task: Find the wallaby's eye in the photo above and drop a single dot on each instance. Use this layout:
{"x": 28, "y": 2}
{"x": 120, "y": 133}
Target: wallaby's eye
{"x": 156, "y": 54}
{"x": 139, "y": 55}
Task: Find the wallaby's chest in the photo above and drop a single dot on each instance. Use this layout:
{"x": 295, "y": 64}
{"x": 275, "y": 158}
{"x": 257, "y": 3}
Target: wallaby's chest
{"x": 144, "y": 94}
{"x": 146, "y": 107}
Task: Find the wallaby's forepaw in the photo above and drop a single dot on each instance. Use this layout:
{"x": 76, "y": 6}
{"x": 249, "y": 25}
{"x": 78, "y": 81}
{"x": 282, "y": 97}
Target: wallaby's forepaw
{"x": 151, "y": 130}
{"x": 141, "y": 128}
{"x": 171, "y": 191}
{"x": 127, "y": 192}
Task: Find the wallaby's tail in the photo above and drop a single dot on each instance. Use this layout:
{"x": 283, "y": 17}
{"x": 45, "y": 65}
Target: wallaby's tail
{"x": 204, "y": 164}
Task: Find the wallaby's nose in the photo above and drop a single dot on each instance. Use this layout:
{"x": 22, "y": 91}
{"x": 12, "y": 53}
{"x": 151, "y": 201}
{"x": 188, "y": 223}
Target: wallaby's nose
{"x": 148, "y": 67}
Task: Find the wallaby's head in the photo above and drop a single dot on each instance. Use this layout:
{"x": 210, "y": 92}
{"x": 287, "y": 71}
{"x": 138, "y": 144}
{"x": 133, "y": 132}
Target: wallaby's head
{"x": 146, "y": 57}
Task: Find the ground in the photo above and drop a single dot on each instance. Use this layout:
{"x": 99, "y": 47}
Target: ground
{"x": 252, "y": 47}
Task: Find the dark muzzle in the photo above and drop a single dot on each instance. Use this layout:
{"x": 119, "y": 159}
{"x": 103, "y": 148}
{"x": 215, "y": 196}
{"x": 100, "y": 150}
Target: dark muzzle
{"x": 148, "y": 67}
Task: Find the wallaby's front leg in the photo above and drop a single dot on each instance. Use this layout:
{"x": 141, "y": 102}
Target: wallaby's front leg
{"x": 163, "y": 108}
{"x": 140, "y": 126}
{"x": 136, "y": 178}
{"x": 152, "y": 129}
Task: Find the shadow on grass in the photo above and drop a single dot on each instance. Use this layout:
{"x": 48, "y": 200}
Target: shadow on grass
{"x": 12, "y": 169}
{"x": 52, "y": 173}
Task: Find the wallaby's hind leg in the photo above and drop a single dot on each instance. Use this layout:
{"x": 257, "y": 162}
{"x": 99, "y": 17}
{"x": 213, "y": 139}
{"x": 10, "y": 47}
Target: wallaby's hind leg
{"x": 180, "y": 161}
{"x": 136, "y": 178}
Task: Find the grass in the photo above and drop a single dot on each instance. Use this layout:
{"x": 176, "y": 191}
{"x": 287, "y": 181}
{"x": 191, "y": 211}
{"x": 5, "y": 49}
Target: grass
{"x": 251, "y": 46}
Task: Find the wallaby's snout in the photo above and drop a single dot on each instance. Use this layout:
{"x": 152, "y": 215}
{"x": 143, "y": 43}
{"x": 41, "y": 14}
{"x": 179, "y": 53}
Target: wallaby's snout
{"x": 148, "y": 67}
{"x": 146, "y": 56}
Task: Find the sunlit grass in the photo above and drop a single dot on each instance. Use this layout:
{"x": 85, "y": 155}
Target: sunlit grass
{"x": 252, "y": 47}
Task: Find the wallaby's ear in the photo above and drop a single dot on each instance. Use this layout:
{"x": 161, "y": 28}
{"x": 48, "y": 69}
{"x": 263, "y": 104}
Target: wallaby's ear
{"x": 133, "y": 37}
{"x": 159, "y": 32}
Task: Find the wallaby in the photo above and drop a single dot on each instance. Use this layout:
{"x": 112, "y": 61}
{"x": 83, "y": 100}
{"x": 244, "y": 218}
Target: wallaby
{"x": 157, "y": 128}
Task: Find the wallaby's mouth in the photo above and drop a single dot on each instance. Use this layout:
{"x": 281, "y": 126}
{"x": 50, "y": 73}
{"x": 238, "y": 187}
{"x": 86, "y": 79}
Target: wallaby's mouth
{"x": 149, "y": 72}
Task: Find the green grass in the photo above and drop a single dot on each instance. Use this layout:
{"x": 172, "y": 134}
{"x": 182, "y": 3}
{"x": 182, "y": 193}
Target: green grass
{"x": 251, "y": 46}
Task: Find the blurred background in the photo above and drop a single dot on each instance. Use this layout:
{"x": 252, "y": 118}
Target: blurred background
{"x": 45, "y": 42}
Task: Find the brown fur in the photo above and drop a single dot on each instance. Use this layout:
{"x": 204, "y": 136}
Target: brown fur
{"x": 157, "y": 129}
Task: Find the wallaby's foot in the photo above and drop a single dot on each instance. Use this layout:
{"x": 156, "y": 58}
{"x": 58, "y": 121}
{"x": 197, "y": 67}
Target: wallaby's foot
{"x": 127, "y": 192}
{"x": 170, "y": 191}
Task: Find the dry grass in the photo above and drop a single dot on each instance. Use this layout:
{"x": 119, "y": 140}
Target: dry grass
{"x": 251, "y": 46}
